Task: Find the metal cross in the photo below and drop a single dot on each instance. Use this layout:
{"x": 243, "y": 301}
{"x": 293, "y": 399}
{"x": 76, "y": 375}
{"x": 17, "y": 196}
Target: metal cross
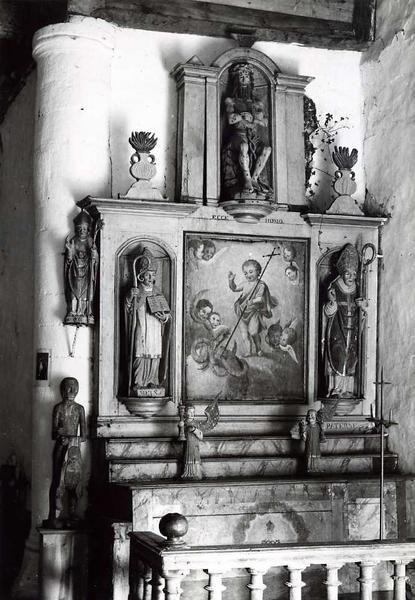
{"x": 381, "y": 424}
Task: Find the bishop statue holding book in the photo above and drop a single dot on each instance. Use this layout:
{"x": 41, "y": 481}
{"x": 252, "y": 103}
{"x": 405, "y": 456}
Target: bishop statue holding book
{"x": 147, "y": 319}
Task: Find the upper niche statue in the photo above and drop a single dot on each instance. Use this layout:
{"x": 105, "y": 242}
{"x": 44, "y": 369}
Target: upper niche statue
{"x": 246, "y": 144}
{"x": 147, "y": 319}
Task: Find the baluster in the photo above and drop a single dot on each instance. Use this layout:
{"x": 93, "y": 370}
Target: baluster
{"x": 137, "y": 578}
{"x": 157, "y": 586}
{"x": 332, "y": 582}
{"x": 295, "y": 584}
{"x": 256, "y": 585}
{"x": 399, "y": 579}
{"x": 215, "y": 587}
{"x": 172, "y": 589}
{"x": 147, "y": 576}
{"x": 366, "y": 580}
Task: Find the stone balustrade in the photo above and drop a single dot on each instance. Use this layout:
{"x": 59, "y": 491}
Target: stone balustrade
{"x": 159, "y": 566}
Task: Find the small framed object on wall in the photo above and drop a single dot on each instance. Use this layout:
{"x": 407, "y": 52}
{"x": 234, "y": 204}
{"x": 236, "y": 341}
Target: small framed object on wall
{"x": 245, "y": 318}
{"x": 42, "y": 367}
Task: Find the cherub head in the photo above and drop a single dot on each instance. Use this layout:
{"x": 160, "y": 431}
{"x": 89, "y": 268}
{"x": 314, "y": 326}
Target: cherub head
{"x": 288, "y": 337}
{"x": 289, "y": 253}
{"x": 215, "y": 320}
{"x": 204, "y": 309}
{"x": 291, "y": 272}
{"x": 251, "y": 269}
{"x": 273, "y": 336}
{"x": 209, "y": 250}
{"x": 197, "y": 247}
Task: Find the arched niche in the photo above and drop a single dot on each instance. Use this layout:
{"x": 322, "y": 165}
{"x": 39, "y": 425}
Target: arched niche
{"x": 246, "y": 89}
{"x": 201, "y": 90}
{"x": 145, "y": 324}
{"x": 343, "y": 401}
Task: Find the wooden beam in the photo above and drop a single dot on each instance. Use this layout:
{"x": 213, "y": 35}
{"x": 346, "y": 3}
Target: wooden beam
{"x": 339, "y": 24}
{"x": 331, "y": 10}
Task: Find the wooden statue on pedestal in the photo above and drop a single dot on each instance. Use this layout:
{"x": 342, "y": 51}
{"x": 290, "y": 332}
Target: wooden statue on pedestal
{"x": 311, "y": 432}
{"x": 81, "y": 266}
{"x": 191, "y": 431}
{"x": 341, "y": 327}
{"x": 147, "y": 316}
{"x": 246, "y": 139}
{"x": 69, "y": 430}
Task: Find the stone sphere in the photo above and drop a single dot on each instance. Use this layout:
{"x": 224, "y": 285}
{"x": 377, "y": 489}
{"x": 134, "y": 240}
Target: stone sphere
{"x": 173, "y": 526}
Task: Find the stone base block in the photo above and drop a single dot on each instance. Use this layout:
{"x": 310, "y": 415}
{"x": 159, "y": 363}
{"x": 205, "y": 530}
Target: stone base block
{"x": 63, "y": 564}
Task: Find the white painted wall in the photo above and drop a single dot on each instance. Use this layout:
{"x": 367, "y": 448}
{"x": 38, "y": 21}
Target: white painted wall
{"x": 144, "y": 94}
{"x": 389, "y": 153}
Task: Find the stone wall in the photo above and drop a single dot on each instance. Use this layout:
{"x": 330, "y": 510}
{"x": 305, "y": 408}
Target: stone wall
{"x": 389, "y": 158}
{"x": 16, "y": 277}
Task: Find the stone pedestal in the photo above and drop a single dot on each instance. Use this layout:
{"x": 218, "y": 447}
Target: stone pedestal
{"x": 63, "y": 564}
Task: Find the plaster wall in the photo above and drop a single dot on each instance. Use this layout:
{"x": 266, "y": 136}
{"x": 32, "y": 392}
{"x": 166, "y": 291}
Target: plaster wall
{"x": 389, "y": 154}
{"x": 16, "y": 277}
{"x": 144, "y": 95}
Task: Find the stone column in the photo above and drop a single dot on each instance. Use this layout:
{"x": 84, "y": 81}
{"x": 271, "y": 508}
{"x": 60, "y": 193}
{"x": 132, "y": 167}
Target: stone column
{"x": 214, "y": 587}
{"x": 295, "y": 583}
{"x": 400, "y": 579}
{"x": 332, "y": 582}
{"x": 173, "y": 579}
{"x": 71, "y": 160}
{"x": 256, "y": 585}
{"x": 366, "y": 580}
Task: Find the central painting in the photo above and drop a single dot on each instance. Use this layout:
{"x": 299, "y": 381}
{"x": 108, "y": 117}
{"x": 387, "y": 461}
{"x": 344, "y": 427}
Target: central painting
{"x": 245, "y": 318}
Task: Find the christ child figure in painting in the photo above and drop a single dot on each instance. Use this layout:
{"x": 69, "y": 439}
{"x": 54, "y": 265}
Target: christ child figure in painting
{"x": 68, "y": 431}
{"x": 311, "y": 431}
{"x": 147, "y": 316}
{"x": 246, "y": 147}
{"x": 81, "y": 265}
{"x": 253, "y": 306}
{"x": 341, "y": 326}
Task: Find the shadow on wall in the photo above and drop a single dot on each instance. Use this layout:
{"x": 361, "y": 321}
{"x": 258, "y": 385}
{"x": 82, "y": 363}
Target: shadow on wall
{"x": 14, "y": 521}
